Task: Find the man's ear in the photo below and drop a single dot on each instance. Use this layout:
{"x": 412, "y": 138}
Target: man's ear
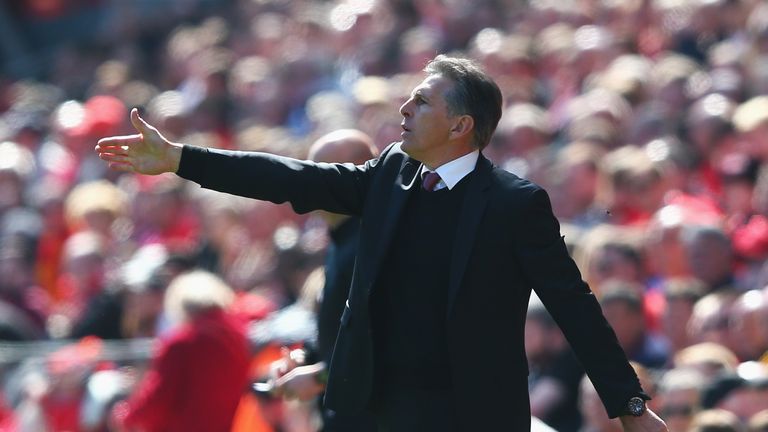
{"x": 464, "y": 125}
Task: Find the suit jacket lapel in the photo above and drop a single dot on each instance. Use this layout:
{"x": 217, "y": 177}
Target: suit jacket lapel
{"x": 472, "y": 210}
{"x": 389, "y": 216}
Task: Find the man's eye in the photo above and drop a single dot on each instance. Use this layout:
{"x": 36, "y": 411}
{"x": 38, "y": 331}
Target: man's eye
{"x": 419, "y": 101}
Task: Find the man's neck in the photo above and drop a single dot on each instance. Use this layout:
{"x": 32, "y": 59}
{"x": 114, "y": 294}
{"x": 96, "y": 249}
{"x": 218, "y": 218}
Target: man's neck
{"x": 444, "y": 154}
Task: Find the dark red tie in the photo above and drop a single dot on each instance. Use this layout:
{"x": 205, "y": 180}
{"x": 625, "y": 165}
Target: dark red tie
{"x": 431, "y": 179}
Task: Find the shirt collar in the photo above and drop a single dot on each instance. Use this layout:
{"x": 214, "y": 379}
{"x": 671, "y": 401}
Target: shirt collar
{"x": 452, "y": 172}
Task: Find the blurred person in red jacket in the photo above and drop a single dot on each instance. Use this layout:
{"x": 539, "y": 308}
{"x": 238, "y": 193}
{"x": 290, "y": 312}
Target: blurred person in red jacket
{"x": 195, "y": 381}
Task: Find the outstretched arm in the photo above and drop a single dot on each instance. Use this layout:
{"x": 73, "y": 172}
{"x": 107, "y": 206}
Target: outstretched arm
{"x": 147, "y": 152}
{"x": 337, "y": 188}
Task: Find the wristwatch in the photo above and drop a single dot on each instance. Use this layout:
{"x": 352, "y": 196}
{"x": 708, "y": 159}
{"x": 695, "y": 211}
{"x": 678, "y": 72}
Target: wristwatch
{"x": 636, "y": 406}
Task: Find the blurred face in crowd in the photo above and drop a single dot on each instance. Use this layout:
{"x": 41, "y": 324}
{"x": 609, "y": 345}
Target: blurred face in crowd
{"x": 675, "y": 319}
{"x": 711, "y": 324}
{"x": 665, "y": 250}
{"x": 745, "y": 402}
{"x": 749, "y": 320}
{"x": 710, "y": 259}
{"x": 427, "y": 122}
{"x": 677, "y": 408}
{"x": 610, "y": 262}
{"x": 627, "y": 322}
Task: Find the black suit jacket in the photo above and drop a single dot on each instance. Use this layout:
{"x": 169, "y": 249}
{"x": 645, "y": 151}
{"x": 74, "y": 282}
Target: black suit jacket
{"x": 507, "y": 243}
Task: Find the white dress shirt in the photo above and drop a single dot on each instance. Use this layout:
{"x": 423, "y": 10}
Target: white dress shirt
{"x": 452, "y": 172}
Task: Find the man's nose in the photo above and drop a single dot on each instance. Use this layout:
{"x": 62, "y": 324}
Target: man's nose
{"x": 405, "y": 109}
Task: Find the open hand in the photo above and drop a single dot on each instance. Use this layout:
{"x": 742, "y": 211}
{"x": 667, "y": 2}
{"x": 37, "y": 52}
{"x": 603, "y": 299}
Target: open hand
{"x": 147, "y": 152}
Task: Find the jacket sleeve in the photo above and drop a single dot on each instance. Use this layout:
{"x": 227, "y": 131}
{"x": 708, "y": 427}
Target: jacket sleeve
{"x": 338, "y": 188}
{"x": 554, "y": 276}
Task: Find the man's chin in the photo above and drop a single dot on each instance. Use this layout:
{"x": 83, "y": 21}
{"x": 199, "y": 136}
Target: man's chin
{"x": 407, "y": 147}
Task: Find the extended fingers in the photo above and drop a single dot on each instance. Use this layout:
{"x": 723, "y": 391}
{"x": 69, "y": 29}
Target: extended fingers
{"x": 117, "y": 144}
{"x": 115, "y": 158}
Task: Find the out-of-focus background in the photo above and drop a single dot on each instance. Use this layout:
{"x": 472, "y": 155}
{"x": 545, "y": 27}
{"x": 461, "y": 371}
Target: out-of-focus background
{"x": 646, "y": 120}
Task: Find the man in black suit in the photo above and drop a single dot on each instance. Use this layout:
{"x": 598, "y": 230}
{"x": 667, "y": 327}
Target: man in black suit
{"x": 431, "y": 338}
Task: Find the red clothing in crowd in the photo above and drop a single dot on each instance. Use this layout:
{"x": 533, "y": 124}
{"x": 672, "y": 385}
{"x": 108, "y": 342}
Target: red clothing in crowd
{"x": 195, "y": 382}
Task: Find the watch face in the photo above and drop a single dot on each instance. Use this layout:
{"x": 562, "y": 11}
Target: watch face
{"x": 636, "y": 406}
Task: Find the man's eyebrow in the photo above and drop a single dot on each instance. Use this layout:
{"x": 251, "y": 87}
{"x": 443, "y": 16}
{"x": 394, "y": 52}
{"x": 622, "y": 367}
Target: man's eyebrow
{"x": 420, "y": 93}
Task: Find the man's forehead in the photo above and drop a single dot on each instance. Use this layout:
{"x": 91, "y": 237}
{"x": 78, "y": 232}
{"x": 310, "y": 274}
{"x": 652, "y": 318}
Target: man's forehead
{"x": 432, "y": 84}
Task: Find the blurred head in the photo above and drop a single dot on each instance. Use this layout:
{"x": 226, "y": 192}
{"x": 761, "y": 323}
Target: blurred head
{"x": 608, "y": 252}
{"x": 633, "y": 186}
{"x": 739, "y": 177}
{"x": 709, "y": 359}
{"x": 715, "y": 420}
{"x": 342, "y": 146}
{"x": 576, "y": 179}
{"x": 709, "y": 253}
{"x": 749, "y": 320}
{"x": 708, "y": 122}
{"x": 679, "y": 397}
{"x": 84, "y": 255}
{"x": 95, "y": 205}
{"x": 758, "y": 422}
{"x": 751, "y": 121}
{"x": 524, "y": 129}
{"x": 196, "y": 293}
{"x": 17, "y": 258}
{"x": 681, "y": 294}
{"x": 734, "y": 393}
{"x": 710, "y": 319}
{"x": 663, "y": 244}
{"x": 623, "y": 308}
{"x": 16, "y": 164}
{"x": 619, "y": 261}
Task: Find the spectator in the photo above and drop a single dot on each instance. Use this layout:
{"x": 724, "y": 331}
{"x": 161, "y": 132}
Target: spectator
{"x": 710, "y": 359}
{"x": 758, "y": 422}
{"x": 679, "y": 397}
{"x": 736, "y": 394}
{"x": 749, "y": 320}
{"x": 18, "y": 292}
{"x": 622, "y": 306}
{"x": 554, "y": 372}
{"x": 715, "y": 420}
{"x": 680, "y": 297}
{"x": 200, "y": 370}
{"x": 710, "y": 319}
{"x": 710, "y": 256}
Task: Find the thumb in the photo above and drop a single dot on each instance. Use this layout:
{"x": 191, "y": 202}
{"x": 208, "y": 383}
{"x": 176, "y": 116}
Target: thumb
{"x": 138, "y": 123}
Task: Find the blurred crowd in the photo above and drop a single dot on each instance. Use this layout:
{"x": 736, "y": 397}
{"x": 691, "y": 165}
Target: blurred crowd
{"x": 646, "y": 120}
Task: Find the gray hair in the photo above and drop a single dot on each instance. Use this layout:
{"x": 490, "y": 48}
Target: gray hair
{"x": 474, "y": 93}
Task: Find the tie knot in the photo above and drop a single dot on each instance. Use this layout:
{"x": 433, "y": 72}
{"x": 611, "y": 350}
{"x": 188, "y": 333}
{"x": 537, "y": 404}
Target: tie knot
{"x": 430, "y": 181}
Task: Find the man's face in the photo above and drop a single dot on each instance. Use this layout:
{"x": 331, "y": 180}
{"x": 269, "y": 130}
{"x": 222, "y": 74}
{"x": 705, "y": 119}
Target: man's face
{"x": 426, "y": 121}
